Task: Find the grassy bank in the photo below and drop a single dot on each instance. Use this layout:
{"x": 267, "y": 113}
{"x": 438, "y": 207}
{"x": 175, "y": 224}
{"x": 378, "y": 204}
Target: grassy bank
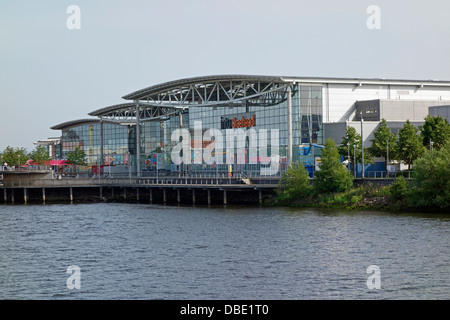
{"x": 360, "y": 198}
{"x": 357, "y": 198}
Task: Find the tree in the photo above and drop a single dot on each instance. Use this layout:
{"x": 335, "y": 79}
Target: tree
{"x": 294, "y": 184}
{"x": 40, "y": 155}
{"x": 435, "y": 129}
{"x": 383, "y": 143}
{"x": 77, "y": 157}
{"x": 409, "y": 145}
{"x": 332, "y": 176}
{"x": 432, "y": 179}
{"x": 347, "y": 146}
{"x": 15, "y": 156}
{"x": 351, "y": 145}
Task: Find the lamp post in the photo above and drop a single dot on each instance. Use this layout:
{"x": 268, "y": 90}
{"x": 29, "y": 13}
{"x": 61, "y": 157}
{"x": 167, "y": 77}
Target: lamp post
{"x": 387, "y": 155}
{"x": 348, "y": 155}
{"x": 362, "y": 145}
{"x": 354, "y": 160}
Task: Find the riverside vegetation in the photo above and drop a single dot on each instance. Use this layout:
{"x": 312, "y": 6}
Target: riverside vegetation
{"x": 333, "y": 187}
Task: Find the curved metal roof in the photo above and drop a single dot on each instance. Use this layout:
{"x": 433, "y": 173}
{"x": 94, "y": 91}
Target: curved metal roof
{"x": 216, "y": 88}
{"x": 114, "y": 108}
{"x": 127, "y": 111}
{"x": 79, "y": 122}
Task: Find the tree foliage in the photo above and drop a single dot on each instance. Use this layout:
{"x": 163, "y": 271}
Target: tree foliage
{"x": 351, "y": 146}
{"x": 14, "y": 156}
{"x": 399, "y": 189}
{"x": 351, "y": 143}
{"x": 294, "y": 183}
{"x": 409, "y": 145}
{"x": 77, "y": 157}
{"x": 435, "y": 129}
{"x": 384, "y": 142}
{"x": 432, "y": 179}
{"x": 332, "y": 176}
{"x": 40, "y": 155}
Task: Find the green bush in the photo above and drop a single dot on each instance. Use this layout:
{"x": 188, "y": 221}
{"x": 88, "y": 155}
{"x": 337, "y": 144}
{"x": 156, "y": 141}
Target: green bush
{"x": 294, "y": 184}
{"x": 356, "y": 198}
{"x": 399, "y": 189}
{"x": 332, "y": 176}
{"x": 432, "y": 179}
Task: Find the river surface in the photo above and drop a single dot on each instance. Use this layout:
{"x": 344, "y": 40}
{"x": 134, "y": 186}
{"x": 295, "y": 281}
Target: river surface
{"x": 138, "y": 251}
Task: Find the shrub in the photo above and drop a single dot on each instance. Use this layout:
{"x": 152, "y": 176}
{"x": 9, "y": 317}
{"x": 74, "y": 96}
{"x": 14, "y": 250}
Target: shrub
{"x": 399, "y": 189}
{"x": 432, "y": 179}
{"x": 294, "y": 184}
{"x": 332, "y": 176}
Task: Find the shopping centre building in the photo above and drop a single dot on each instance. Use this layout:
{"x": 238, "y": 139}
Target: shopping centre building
{"x": 240, "y": 123}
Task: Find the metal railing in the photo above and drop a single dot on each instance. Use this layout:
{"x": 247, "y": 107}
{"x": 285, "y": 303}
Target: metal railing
{"x": 191, "y": 179}
{"x": 65, "y": 182}
{"x": 382, "y": 174}
{"x": 25, "y": 168}
{"x": 172, "y": 178}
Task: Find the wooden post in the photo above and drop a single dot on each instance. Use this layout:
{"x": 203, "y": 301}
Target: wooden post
{"x": 178, "y": 196}
{"x": 25, "y": 195}
{"x": 151, "y": 195}
{"x": 43, "y": 195}
{"x": 209, "y": 197}
{"x": 12, "y": 196}
{"x": 260, "y": 197}
{"x": 225, "y": 197}
{"x": 164, "y": 195}
{"x": 193, "y": 196}
{"x": 137, "y": 194}
{"x": 71, "y": 194}
{"x": 5, "y": 195}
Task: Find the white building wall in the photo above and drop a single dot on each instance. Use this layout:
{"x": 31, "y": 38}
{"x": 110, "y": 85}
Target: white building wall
{"x": 339, "y": 99}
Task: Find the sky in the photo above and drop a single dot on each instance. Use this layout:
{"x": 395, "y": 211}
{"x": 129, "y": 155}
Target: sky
{"x": 51, "y": 73}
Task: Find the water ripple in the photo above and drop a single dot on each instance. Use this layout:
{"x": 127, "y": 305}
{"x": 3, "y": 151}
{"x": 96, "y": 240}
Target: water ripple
{"x": 128, "y": 251}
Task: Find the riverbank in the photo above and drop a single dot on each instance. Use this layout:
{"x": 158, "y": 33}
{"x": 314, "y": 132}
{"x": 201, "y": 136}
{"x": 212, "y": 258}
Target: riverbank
{"x": 361, "y": 198}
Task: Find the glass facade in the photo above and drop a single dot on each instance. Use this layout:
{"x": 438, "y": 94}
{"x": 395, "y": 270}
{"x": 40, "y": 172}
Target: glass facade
{"x": 308, "y": 115}
{"x": 118, "y": 144}
{"x": 268, "y": 111}
{"x": 156, "y": 144}
{"x": 86, "y": 138}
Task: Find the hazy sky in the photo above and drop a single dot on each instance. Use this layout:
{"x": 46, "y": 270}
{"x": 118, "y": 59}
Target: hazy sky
{"x": 50, "y": 74}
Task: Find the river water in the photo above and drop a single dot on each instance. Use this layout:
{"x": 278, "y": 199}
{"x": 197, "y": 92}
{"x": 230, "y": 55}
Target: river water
{"x": 138, "y": 251}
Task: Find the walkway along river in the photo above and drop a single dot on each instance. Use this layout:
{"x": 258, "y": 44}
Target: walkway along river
{"x": 188, "y": 190}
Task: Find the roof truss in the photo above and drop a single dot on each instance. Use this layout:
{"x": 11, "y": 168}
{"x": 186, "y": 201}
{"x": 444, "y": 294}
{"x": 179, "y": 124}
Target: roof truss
{"x": 127, "y": 111}
{"x": 216, "y": 93}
